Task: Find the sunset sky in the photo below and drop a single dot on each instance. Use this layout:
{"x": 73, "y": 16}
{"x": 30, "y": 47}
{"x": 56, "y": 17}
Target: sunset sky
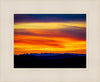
{"x": 49, "y": 33}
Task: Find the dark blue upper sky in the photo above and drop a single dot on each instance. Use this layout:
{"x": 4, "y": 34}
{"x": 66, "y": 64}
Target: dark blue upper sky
{"x": 48, "y": 17}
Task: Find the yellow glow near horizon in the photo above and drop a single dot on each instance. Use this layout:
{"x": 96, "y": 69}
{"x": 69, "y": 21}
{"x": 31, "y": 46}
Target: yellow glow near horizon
{"x": 72, "y": 45}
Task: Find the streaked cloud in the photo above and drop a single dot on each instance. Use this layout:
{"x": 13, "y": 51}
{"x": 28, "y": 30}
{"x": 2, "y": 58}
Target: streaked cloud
{"x": 50, "y": 25}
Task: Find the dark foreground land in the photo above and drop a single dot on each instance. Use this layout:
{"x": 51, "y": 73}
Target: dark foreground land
{"x": 58, "y": 61}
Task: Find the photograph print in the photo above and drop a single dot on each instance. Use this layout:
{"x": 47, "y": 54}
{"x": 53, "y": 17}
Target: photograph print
{"x": 49, "y": 40}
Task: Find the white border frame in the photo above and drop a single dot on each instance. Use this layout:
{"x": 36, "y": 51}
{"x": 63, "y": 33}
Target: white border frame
{"x": 10, "y": 7}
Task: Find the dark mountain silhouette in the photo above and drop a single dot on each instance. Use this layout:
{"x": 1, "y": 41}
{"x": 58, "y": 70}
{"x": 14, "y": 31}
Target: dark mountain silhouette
{"x": 52, "y": 54}
{"x": 50, "y": 60}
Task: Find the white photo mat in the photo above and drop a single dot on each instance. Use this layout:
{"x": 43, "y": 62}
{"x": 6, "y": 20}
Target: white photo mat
{"x": 11, "y": 7}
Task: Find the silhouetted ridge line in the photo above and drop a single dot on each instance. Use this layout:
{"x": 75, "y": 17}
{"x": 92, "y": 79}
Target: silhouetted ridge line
{"x": 53, "y": 54}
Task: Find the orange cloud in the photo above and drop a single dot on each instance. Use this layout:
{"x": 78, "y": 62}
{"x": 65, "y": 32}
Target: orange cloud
{"x": 37, "y": 44}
